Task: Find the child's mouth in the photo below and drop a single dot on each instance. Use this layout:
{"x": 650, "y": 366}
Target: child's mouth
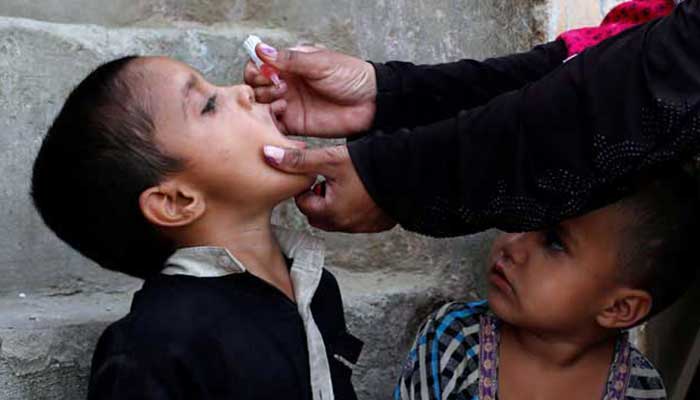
{"x": 276, "y": 122}
{"x": 498, "y": 278}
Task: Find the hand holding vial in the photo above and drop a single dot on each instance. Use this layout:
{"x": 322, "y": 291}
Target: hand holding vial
{"x": 323, "y": 93}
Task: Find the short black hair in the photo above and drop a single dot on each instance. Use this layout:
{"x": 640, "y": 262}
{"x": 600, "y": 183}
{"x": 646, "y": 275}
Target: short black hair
{"x": 97, "y": 158}
{"x": 658, "y": 251}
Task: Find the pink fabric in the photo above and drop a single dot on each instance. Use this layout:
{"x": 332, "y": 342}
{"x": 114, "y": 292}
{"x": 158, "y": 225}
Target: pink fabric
{"x": 624, "y": 16}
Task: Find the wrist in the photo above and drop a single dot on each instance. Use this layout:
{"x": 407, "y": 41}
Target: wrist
{"x": 370, "y": 80}
{"x": 367, "y": 94}
{"x": 387, "y": 86}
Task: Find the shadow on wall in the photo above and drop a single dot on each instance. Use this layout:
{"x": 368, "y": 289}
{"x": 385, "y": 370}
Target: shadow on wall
{"x": 672, "y": 341}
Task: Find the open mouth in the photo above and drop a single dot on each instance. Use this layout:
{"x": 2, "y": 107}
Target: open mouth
{"x": 275, "y": 121}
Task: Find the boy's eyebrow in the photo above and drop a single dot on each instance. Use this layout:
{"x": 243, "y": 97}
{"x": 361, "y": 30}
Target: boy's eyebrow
{"x": 191, "y": 83}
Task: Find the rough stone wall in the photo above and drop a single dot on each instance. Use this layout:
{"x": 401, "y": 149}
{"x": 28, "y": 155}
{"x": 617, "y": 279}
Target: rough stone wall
{"x": 414, "y": 30}
{"x": 54, "y": 303}
{"x": 568, "y": 14}
{"x": 669, "y": 340}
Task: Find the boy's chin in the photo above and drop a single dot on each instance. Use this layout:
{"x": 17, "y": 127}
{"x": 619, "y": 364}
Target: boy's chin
{"x": 293, "y": 185}
{"x": 304, "y": 184}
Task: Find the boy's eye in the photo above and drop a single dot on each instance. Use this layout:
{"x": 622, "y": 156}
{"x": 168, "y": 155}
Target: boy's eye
{"x": 553, "y": 241}
{"x": 210, "y": 106}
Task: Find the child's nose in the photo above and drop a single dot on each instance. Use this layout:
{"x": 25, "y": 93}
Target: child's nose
{"x": 515, "y": 247}
{"x": 244, "y": 95}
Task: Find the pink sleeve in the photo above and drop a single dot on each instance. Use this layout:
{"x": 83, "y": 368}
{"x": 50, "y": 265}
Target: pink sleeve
{"x": 620, "y": 18}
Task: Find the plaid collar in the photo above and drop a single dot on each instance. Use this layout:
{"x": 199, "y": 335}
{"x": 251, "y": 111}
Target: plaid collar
{"x": 489, "y": 340}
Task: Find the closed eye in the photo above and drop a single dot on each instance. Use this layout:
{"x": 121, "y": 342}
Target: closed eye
{"x": 210, "y": 106}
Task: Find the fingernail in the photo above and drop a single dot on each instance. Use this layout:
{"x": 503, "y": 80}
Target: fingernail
{"x": 269, "y": 51}
{"x": 273, "y": 154}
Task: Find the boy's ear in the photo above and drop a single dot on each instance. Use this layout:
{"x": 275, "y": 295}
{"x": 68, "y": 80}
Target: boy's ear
{"x": 625, "y": 309}
{"x": 171, "y": 205}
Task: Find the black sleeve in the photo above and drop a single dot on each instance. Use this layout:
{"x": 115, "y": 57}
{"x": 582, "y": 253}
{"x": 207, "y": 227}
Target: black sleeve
{"x": 129, "y": 367}
{"x": 409, "y": 95}
{"x": 559, "y": 147}
{"x": 125, "y": 377}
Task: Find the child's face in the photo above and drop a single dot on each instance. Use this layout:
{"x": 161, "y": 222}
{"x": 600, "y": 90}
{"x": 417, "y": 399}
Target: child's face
{"x": 219, "y": 132}
{"x": 557, "y": 280}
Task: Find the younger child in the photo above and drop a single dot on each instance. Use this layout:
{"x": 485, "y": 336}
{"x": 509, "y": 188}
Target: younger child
{"x": 152, "y": 171}
{"x": 559, "y": 303}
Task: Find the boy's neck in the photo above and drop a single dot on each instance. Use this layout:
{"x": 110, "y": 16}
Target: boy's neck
{"x": 547, "y": 366}
{"x": 559, "y": 350}
{"x": 251, "y": 240}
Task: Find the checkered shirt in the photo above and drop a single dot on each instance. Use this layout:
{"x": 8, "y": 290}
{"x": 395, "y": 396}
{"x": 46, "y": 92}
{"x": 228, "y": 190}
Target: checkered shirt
{"x": 444, "y": 363}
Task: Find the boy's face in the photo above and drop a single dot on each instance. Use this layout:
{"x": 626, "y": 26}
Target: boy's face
{"x": 559, "y": 279}
{"x": 219, "y": 132}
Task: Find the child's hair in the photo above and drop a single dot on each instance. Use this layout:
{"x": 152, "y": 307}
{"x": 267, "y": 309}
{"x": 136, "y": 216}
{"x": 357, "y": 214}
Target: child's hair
{"x": 658, "y": 252}
{"x": 95, "y": 161}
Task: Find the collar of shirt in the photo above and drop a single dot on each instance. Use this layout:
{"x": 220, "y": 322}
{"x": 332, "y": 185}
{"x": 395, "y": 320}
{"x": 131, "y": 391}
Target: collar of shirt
{"x": 308, "y": 255}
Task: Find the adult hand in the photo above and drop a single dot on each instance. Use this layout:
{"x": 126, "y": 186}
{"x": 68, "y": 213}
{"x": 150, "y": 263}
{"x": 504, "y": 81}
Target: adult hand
{"x": 323, "y": 93}
{"x": 341, "y": 203}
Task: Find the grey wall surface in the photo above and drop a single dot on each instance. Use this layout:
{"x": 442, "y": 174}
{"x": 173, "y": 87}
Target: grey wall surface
{"x": 54, "y": 303}
{"x": 414, "y": 30}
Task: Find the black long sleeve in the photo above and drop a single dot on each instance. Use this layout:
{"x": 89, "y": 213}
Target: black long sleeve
{"x": 410, "y": 95}
{"x": 559, "y": 147}
{"x": 125, "y": 377}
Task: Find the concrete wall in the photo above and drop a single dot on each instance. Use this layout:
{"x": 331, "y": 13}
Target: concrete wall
{"x": 571, "y": 14}
{"x": 414, "y": 30}
{"x": 669, "y": 339}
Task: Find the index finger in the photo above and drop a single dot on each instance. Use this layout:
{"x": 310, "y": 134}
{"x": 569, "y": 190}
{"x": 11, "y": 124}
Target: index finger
{"x": 253, "y": 77}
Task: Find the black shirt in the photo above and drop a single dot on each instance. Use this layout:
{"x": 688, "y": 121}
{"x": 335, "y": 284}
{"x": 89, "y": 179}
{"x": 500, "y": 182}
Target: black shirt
{"x": 231, "y": 337}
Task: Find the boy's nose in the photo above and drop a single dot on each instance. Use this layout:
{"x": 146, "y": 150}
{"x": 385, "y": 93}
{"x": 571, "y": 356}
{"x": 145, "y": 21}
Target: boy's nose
{"x": 515, "y": 247}
{"x": 244, "y": 95}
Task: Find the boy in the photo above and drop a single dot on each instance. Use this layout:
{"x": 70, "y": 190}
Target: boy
{"x": 152, "y": 171}
{"x": 559, "y": 302}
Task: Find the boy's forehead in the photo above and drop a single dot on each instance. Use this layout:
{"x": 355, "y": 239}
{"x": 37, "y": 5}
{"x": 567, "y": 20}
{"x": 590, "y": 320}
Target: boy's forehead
{"x": 165, "y": 83}
{"x": 166, "y": 70}
{"x": 601, "y": 225}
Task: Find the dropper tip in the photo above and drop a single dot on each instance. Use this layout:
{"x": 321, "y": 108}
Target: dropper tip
{"x": 276, "y": 80}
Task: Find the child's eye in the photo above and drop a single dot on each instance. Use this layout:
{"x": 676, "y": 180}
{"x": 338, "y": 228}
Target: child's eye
{"x": 553, "y": 241}
{"x": 210, "y": 106}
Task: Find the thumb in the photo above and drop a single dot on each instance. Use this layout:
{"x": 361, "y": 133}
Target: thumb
{"x": 306, "y": 161}
{"x": 310, "y": 65}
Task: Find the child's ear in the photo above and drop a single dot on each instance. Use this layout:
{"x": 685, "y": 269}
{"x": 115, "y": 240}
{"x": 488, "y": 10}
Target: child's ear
{"x": 625, "y": 309}
{"x": 171, "y": 205}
